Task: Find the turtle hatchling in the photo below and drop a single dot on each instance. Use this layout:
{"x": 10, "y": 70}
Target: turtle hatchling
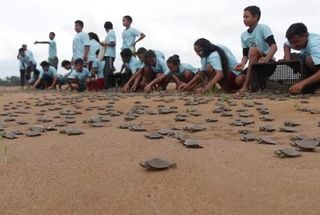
{"x": 266, "y": 140}
{"x": 153, "y": 136}
{"x": 248, "y": 137}
{"x": 306, "y": 144}
{"x": 33, "y": 133}
{"x": 71, "y": 131}
{"x": 267, "y": 128}
{"x": 193, "y": 128}
{"x": 287, "y": 152}
{"x": 157, "y": 164}
{"x": 190, "y": 143}
{"x": 287, "y": 129}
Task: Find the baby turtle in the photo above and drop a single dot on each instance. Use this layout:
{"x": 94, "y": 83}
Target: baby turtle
{"x": 33, "y": 133}
{"x": 22, "y": 122}
{"x": 165, "y": 131}
{"x": 237, "y": 123}
{"x": 157, "y": 164}
{"x": 124, "y": 126}
{"x": 195, "y": 113}
{"x": 211, "y": 120}
{"x": 306, "y": 144}
{"x": 287, "y": 129}
{"x": 180, "y": 119}
{"x": 287, "y": 152}
{"x": 71, "y": 131}
{"x": 266, "y": 140}
{"x": 38, "y": 128}
{"x": 226, "y": 114}
{"x": 267, "y": 118}
{"x": 267, "y": 128}
{"x": 17, "y": 132}
{"x": 137, "y": 128}
{"x": 10, "y": 135}
{"x": 291, "y": 124}
{"x": 164, "y": 110}
{"x": 245, "y": 114}
{"x": 153, "y": 136}
{"x": 51, "y": 128}
{"x": 70, "y": 121}
{"x": 96, "y": 124}
{"x": 248, "y": 137}
{"x": 130, "y": 118}
{"x": 193, "y": 128}
{"x": 190, "y": 143}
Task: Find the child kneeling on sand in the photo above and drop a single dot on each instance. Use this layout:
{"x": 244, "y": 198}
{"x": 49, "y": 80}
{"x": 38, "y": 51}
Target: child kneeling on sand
{"x": 309, "y": 46}
{"x": 180, "y": 73}
{"x": 218, "y": 67}
{"x": 48, "y": 77}
{"x": 78, "y": 78}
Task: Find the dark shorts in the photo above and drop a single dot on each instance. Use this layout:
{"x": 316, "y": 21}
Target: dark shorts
{"x": 54, "y": 62}
{"x": 109, "y": 67}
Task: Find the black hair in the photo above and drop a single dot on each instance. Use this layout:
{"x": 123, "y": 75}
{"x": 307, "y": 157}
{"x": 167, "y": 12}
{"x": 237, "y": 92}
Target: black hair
{"x": 141, "y": 50}
{"x": 65, "y": 63}
{"x": 208, "y": 48}
{"x": 54, "y": 34}
{"x": 150, "y": 54}
{"x": 254, "y": 10}
{"x": 78, "y": 61}
{"x": 108, "y": 25}
{"x": 94, "y": 36}
{"x": 175, "y": 60}
{"x": 299, "y": 29}
{"x": 129, "y": 18}
{"x": 79, "y": 22}
{"x": 21, "y": 49}
{"x": 44, "y": 63}
{"x": 126, "y": 53}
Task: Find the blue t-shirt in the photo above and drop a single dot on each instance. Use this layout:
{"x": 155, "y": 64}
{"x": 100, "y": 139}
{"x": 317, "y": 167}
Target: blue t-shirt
{"x": 94, "y": 46}
{"x": 52, "y": 72}
{"x": 129, "y": 37}
{"x": 81, "y": 76}
{"x": 133, "y": 65}
{"x": 214, "y": 60}
{"x": 52, "y": 49}
{"x": 99, "y": 65}
{"x": 111, "y": 50}
{"x": 161, "y": 66}
{"x": 257, "y": 38}
{"x": 79, "y": 42}
{"x": 312, "y": 48}
{"x": 159, "y": 54}
{"x": 187, "y": 67}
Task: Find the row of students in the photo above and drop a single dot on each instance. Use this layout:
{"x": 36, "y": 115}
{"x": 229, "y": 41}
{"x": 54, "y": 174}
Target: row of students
{"x": 219, "y": 66}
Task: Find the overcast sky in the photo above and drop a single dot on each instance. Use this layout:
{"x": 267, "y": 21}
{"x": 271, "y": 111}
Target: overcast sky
{"x": 171, "y": 26}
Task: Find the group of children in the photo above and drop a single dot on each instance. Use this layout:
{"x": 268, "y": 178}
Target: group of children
{"x": 92, "y": 64}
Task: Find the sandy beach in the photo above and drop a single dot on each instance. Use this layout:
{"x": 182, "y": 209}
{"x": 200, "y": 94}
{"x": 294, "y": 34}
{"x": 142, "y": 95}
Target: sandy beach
{"x": 99, "y": 173}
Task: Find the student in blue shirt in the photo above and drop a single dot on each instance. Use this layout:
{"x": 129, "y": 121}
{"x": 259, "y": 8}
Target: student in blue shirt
{"x": 48, "y": 77}
{"x": 94, "y": 44}
{"x": 258, "y": 43}
{"x": 153, "y": 68}
{"x": 129, "y": 67}
{"x": 309, "y": 46}
{"x": 110, "y": 55}
{"x": 52, "y": 58}
{"x": 63, "y": 79}
{"x": 130, "y": 34}
{"x": 180, "y": 73}
{"x": 79, "y": 77}
{"x": 80, "y": 44}
{"x": 97, "y": 74}
{"x": 217, "y": 68}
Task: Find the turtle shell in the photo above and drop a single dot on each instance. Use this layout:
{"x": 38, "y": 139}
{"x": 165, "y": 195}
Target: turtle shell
{"x": 291, "y": 124}
{"x": 287, "y": 152}
{"x": 137, "y": 128}
{"x": 194, "y": 128}
{"x": 153, "y": 136}
{"x": 165, "y": 131}
{"x": 245, "y": 114}
{"x": 288, "y": 129}
{"x": 211, "y": 120}
{"x": 267, "y": 140}
{"x": 10, "y": 135}
{"x": 306, "y": 144}
{"x": 33, "y": 133}
{"x": 124, "y": 126}
{"x": 96, "y": 124}
{"x": 267, "y": 128}
{"x": 180, "y": 119}
{"x": 267, "y": 118}
{"x": 248, "y": 137}
{"x": 190, "y": 143}
{"x": 157, "y": 164}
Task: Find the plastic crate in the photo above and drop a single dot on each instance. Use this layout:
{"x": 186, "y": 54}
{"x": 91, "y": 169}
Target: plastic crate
{"x": 276, "y": 76}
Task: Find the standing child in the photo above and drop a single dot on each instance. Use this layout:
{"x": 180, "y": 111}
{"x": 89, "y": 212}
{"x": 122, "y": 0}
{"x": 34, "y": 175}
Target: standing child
{"x": 110, "y": 55}
{"x": 309, "y": 46}
{"x": 94, "y": 46}
{"x": 180, "y": 73}
{"x": 80, "y": 45}
{"x": 258, "y": 43}
{"x": 218, "y": 65}
{"x": 130, "y": 34}
{"x": 52, "y": 58}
